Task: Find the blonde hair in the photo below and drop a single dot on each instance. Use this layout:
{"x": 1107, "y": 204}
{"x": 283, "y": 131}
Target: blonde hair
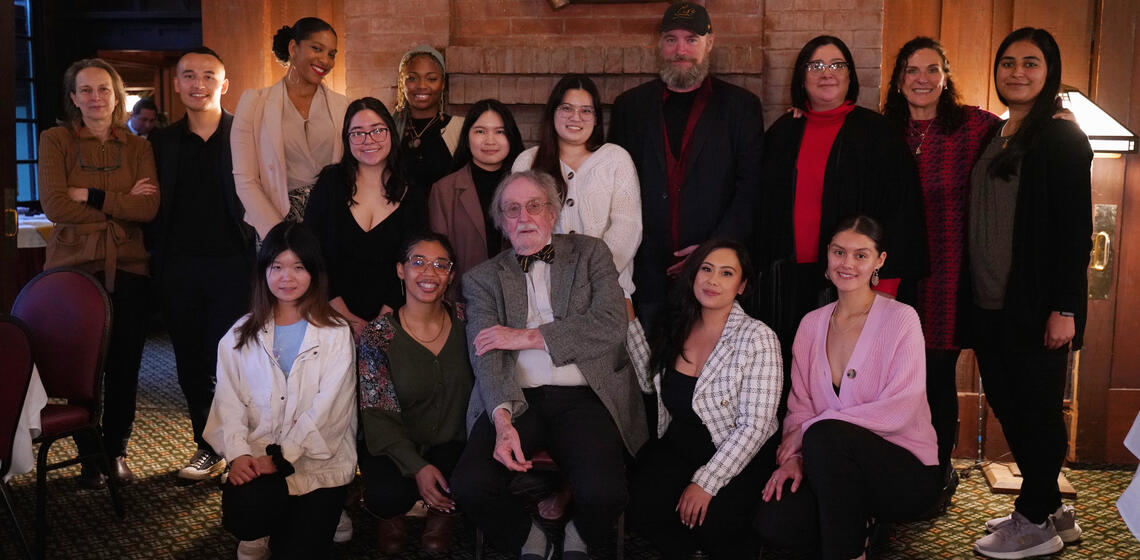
{"x": 74, "y": 115}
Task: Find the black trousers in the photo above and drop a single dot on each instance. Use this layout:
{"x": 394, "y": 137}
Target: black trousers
{"x": 1025, "y": 388}
{"x": 299, "y": 527}
{"x": 850, "y": 475}
{"x": 664, "y": 468}
{"x": 121, "y": 369}
{"x": 201, "y": 298}
{"x": 387, "y": 492}
{"x": 942, "y": 395}
{"x": 571, "y": 424}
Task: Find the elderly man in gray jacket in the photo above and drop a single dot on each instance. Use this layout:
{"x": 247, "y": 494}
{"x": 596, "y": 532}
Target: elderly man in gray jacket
{"x": 548, "y": 324}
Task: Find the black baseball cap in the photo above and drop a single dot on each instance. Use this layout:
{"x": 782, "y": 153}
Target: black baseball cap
{"x": 687, "y": 16}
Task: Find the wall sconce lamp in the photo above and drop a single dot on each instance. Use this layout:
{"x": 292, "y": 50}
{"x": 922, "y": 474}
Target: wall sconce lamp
{"x": 1107, "y": 136}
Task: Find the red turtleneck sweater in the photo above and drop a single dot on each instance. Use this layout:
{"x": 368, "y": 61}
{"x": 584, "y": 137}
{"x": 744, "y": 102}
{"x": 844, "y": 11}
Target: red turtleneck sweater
{"x": 811, "y": 165}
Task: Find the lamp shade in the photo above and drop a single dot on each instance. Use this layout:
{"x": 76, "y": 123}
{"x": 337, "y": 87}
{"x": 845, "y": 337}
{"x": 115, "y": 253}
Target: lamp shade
{"x": 1106, "y": 134}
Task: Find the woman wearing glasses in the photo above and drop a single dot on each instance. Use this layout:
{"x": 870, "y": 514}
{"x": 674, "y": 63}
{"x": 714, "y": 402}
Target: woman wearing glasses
{"x": 361, "y": 209}
{"x": 284, "y": 134}
{"x": 415, "y": 381}
{"x": 835, "y": 160}
{"x": 97, "y": 183}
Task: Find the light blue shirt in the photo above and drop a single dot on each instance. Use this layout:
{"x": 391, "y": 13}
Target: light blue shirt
{"x": 287, "y": 342}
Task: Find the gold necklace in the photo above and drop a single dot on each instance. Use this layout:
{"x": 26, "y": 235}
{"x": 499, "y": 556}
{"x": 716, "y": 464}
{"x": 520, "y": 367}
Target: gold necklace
{"x": 415, "y": 143}
{"x": 921, "y": 135}
{"x": 405, "y": 324}
{"x": 835, "y": 321}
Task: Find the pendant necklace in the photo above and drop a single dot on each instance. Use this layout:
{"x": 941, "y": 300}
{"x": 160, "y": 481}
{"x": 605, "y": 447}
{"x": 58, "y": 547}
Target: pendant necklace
{"x": 415, "y": 142}
{"x": 921, "y": 135}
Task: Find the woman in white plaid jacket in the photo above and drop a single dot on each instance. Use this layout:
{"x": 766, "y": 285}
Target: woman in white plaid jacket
{"x": 718, "y": 375}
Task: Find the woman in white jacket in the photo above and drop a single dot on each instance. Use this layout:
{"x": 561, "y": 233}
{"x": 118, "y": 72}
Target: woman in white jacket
{"x": 284, "y": 134}
{"x": 718, "y": 376}
{"x": 284, "y": 411}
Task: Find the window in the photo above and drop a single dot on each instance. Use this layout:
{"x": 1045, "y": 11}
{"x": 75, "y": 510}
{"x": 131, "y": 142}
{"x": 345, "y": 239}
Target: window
{"x": 27, "y": 131}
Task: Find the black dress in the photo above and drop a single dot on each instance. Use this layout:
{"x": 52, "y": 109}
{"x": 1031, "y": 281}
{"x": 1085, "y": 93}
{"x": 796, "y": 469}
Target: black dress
{"x": 361, "y": 264}
{"x": 428, "y": 160}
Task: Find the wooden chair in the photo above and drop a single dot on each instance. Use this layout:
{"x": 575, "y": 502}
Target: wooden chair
{"x": 68, "y": 314}
{"x": 15, "y": 375}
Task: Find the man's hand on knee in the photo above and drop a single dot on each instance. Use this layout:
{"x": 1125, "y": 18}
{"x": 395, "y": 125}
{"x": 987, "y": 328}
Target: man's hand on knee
{"x": 508, "y": 447}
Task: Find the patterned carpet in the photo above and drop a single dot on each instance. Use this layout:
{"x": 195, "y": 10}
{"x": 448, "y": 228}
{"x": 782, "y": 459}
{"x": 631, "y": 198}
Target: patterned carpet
{"x": 169, "y": 519}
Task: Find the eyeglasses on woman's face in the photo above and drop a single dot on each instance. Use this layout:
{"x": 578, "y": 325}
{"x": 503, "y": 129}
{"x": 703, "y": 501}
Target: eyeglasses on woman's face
{"x": 820, "y": 66}
{"x": 419, "y": 262}
{"x": 357, "y": 137}
{"x": 584, "y": 112}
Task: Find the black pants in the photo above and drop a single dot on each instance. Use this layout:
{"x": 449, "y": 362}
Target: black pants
{"x": 387, "y": 492}
{"x": 850, "y": 475}
{"x": 1025, "y": 388}
{"x": 201, "y": 297}
{"x": 571, "y": 424}
{"x": 121, "y": 369}
{"x": 942, "y": 395}
{"x": 297, "y": 526}
{"x": 664, "y": 468}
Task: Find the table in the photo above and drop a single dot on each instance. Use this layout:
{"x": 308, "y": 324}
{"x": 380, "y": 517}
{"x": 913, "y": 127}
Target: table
{"x": 34, "y": 231}
{"x": 28, "y": 428}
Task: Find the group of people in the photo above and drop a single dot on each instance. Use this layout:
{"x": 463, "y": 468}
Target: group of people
{"x": 695, "y": 320}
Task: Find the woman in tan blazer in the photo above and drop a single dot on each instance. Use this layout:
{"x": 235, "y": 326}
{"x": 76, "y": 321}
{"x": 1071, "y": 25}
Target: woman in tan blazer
{"x": 283, "y": 135}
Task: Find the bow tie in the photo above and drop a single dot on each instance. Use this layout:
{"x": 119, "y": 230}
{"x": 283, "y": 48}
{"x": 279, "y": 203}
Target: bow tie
{"x": 545, "y": 254}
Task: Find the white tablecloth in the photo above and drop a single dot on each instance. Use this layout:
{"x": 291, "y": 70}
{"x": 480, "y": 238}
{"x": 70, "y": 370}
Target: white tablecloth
{"x": 28, "y": 428}
{"x": 33, "y": 231}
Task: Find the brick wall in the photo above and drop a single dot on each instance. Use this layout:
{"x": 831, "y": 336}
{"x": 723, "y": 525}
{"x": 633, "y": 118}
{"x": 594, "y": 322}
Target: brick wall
{"x": 516, "y": 49}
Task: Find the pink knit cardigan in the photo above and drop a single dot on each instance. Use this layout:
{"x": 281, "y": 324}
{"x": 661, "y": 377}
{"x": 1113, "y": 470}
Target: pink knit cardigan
{"x": 884, "y": 382}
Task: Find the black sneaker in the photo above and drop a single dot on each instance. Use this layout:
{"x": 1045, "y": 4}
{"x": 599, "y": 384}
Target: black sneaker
{"x": 203, "y": 465}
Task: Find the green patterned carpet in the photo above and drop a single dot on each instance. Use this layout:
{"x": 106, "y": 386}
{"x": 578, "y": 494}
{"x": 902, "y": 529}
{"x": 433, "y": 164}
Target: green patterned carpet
{"x": 168, "y": 519}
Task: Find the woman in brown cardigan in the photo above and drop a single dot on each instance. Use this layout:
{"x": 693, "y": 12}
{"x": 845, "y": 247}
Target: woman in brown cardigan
{"x": 97, "y": 185}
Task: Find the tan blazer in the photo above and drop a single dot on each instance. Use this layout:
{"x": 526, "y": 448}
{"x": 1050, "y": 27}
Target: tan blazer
{"x": 259, "y": 152}
{"x": 454, "y": 210}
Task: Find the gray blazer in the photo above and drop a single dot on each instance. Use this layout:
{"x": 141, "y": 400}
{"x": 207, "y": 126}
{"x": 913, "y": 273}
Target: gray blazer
{"x": 589, "y": 330}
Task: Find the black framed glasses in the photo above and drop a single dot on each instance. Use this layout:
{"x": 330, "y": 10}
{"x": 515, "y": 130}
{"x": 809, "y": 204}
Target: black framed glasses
{"x": 356, "y": 137}
{"x": 820, "y": 66}
{"x": 533, "y": 207}
{"x": 102, "y": 169}
{"x": 419, "y": 262}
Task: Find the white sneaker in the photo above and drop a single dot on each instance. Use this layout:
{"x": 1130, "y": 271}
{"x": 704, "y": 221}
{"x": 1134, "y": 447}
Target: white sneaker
{"x": 1064, "y": 519}
{"x": 343, "y": 528}
{"x": 1020, "y": 538}
{"x": 253, "y": 550}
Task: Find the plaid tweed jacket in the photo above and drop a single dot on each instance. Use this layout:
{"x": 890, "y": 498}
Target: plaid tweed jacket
{"x": 736, "y": 397}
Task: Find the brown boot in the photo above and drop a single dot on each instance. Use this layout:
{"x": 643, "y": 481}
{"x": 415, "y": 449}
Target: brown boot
{"x": 438, "y": 530}
{"x": 391, "y": 534}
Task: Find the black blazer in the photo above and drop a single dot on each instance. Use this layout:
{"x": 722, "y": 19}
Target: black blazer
{"x": 870, "y": 170}
{"x": 1052, "y": 237}
{"x": 167, "y": 144}
{"x": 722, "y": 174}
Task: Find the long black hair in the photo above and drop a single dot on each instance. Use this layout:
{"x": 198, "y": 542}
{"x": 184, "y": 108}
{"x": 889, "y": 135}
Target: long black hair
{"x": 546, "y": 159}
{"x": 463, "y": 150}
{"x": 299, "y": 31}
{"x": 950, "y": 112}
{"x": 1005, "y": 164}
{"x": 682, "y": 310}
{"x": 314, "y": 303}
{"x": 799, "y": 72}
{"x": 395, "y": 181}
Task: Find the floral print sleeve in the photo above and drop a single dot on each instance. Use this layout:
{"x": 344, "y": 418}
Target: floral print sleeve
{"x": 374, "y": 368}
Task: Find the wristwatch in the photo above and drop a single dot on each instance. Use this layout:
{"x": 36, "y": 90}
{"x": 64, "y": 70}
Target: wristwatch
{"x": 1066, "y": 313}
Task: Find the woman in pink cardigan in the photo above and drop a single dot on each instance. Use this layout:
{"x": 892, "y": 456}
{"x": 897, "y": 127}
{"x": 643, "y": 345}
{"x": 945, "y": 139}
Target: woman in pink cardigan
{"x": 858, "y": 445}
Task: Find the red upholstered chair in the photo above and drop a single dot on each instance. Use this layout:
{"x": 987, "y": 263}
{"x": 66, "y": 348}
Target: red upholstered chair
{"x": 15, "y": 374}
{"x": 68, "y": 314}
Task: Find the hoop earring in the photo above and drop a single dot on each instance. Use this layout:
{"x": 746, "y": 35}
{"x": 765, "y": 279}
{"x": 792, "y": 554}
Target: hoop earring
{"x": 826, "y": 277}
{"x": 292, "y": 76}
{"x": 875, "y": 278}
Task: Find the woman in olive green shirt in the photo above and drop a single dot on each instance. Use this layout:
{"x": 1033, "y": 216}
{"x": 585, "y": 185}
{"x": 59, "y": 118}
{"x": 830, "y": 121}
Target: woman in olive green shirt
{"x": 415, "y": 381}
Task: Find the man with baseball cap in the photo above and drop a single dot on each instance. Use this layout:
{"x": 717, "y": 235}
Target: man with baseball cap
{"x": 696, "y": 141}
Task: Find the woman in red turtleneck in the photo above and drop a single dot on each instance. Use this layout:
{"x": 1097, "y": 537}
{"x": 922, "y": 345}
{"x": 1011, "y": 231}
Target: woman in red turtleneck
{"x": 835, "y": 160}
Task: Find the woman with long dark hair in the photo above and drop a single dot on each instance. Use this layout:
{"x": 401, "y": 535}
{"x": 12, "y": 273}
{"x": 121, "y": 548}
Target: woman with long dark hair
{"x": 837, "y": 159}
{"x": 857, "y": 444}
{"x": 361, "y": 210}
{"x": 718, "y": 376}
{"x": 597, "y": 181}
{"x": 283, "y": 414}
{"x": 99, "y": 185}
{"x": 284, "y": 134}
{"x": 1028, "y": 243}
{"x": 946, "y": 139}
{"x": 459, "y": 203}
{"x": 415, "y": 381}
